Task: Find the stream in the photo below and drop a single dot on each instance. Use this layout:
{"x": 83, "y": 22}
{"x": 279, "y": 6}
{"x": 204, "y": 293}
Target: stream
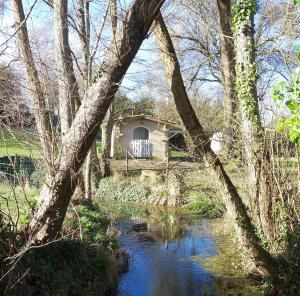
{"x": 170, "y": 255}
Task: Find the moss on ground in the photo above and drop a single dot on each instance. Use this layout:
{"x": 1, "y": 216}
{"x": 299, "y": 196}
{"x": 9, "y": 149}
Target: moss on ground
{"x": 227, "y": 266}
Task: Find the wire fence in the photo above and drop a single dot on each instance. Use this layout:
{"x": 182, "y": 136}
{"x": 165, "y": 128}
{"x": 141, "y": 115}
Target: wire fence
{"x": 18, "y": 169}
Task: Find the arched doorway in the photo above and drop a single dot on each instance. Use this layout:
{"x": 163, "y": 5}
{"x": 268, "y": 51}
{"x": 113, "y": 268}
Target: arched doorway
{"x": 141, "y": 142}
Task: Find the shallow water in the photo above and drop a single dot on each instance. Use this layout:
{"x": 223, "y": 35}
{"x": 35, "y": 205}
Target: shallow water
{"x": 164, "y": 258}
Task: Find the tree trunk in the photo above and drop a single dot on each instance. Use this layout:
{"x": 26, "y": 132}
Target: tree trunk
{"x": 113, "y": 16}
{"x": 92, "y": 161}
{"x": 55, "y": 196}
{"x": 88, "y": 175}
{"x": 92, "y": 171}
{"x": 256, "y": 155}
{"x": 83, "y": 28}
{"x": 106, "y": 142}
{"x": 68, "y": 90}
{"x": 201, "y": 149}
{"x": 230, "y": 131}
{"x": 41, "y": 113}
{"x": 68, "y": 93}
{"x": 108, "y": 127}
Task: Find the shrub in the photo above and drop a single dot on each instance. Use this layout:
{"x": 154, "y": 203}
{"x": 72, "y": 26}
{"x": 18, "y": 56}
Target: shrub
{"x": 93, "y": 224}
{"x": 204, "y": 204}
{"x": 122, "y": 190}
{"x": 67, "y": 266}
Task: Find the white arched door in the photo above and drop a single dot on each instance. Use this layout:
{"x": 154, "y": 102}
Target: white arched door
{"x": 141, "y": 142}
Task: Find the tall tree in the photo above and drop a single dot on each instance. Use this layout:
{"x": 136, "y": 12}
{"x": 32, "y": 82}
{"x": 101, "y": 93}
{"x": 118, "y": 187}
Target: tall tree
{"x": 107, "y": 128}
{"x": 84, "y": 32}
{"x": 228, "y": 69}
{"x": 68, "y": 91}
{"x": 55, "y": 196}
{"x": 259, "y": 169}
{"x": 40, "y": 110}
{"x": 263, "y": 261}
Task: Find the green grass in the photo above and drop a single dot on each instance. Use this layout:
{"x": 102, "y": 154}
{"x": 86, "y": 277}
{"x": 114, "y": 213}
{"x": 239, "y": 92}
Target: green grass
{"x": 19, "y": 143}
{"x": 92, "y": 221}
{"x": 18, "y": 202}
{"x": 86, "y": 266}
{"x": 23, "y": 143}
{"x": 175, "y": 153}
{"x": 205, "y": 203}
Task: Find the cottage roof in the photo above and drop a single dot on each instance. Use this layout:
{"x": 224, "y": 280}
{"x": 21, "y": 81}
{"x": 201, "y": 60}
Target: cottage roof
{"x": 170, "y": 124}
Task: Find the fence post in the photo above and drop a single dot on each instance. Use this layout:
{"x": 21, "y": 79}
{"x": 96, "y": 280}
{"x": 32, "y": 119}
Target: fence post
{"x": 15, "y": 169}
{"x": 167, "y": 170}
{"x": 126, "y": 162}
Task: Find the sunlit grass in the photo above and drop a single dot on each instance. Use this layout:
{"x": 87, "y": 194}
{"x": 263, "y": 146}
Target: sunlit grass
{"x": 19, "y": 142}
{"x": 17, "y": 202}
{"x": 178, "y": 153}
{"x": 23, "y": 143}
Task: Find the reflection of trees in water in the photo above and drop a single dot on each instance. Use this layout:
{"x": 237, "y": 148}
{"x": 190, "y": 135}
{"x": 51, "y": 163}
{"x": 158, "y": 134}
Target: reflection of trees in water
{"x": 176, "y": 277}
{"x": 166, "y": 250}
{"x": 167, "y": 230}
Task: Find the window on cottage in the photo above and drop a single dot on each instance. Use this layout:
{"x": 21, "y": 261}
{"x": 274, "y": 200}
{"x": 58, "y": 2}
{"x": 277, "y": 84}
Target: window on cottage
{"x": 140, "y": 133}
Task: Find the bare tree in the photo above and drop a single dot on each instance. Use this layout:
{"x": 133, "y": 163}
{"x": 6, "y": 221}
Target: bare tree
{"x": 12, "y": 107}
{"x": 68, "y": 91}
{"x": 263, "y": 261}
{"x": 109, "y": 123}
{"x": 201, "y": 30}
{"x": 55, "y": 196}
{"x": 228, "y": 70}
{"x": 84, "y": 26}
{"x": 92, "y": 165}
{"x": 42, "y": 115}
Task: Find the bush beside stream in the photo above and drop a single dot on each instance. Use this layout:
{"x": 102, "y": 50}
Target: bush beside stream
{"x": 82, "y": 262}
{"x": 122, "y": 190}
{"x": 154, "y": 189}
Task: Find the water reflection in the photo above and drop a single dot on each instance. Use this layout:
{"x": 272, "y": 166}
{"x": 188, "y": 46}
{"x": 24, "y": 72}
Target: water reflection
{"x": 161, "y": 259}
{"x": 166, "y": 252}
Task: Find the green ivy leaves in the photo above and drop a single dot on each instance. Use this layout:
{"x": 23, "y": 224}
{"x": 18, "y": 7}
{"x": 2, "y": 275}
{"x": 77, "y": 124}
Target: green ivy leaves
{"x": 243, "y": 11}
{"x": 244, "y": 84}
{"x": 288, "y": 95}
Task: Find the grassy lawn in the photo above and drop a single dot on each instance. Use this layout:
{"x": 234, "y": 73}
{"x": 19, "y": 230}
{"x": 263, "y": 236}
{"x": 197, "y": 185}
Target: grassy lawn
{"x": 19, "y": 143}
{"x": 18, "y": 202}
{"x": 23, "y": 143}
{"x": 175, "y": 153}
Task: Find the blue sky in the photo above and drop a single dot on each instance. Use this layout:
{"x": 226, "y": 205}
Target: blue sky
{"x": 143, "y": 72}
{"x": 40, "y": 28}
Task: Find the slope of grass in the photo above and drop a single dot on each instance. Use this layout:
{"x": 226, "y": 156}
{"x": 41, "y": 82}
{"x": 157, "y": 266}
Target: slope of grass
{"x": 23, "y": 143}
{"x": 19, "y": 142}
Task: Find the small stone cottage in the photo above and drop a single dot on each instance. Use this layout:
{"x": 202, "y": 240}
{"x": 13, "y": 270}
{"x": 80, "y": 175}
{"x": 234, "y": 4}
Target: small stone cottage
{"x": 142, "y": 136}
